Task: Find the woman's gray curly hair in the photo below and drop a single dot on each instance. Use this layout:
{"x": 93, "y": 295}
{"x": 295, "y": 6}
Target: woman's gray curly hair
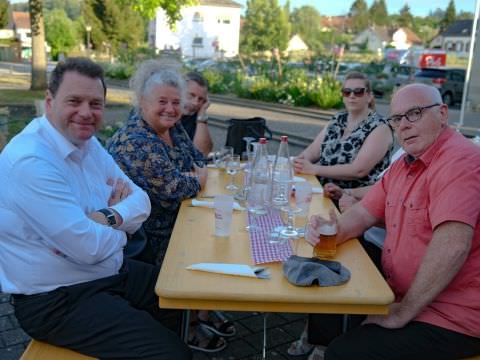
{"x": 157, "y": 72}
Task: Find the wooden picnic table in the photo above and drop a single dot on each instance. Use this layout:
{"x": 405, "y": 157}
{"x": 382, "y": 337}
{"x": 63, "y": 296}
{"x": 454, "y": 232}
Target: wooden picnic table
{"x": 192, "y": 241}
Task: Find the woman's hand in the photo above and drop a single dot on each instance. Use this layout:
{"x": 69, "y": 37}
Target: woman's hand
{"x": 304, "y": 166}
{"x": 346, "y": 202}
{"x": 201, "y": 173}
{"x": 332, "y": 191}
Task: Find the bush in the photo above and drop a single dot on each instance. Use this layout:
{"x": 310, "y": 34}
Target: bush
{"x": 119, "y": 71}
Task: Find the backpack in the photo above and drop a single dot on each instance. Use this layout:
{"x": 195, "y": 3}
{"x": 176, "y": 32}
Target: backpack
{"x": 239, "y": 128}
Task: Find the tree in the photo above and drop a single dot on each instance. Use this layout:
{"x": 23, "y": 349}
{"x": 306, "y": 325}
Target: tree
{"x": 306, "y": 22}
{"x": 72, "y": 8}
{"x": 60, "y": 32}
{"x": 3, "y": 13}
{"x": 378, "y": 13}
{"x": 406, "y": 18}
{"x": 450, "y": 15}
{"x": 265, "y": 27}
{"x": 147, "y": 8}
{"x": 113, "y": 23}
{"x": 39, "y": 57}
{"x": 465, "y": 15}
{"x": 359, "y": 15}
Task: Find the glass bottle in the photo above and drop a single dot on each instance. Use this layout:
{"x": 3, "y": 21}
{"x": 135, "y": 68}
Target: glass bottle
{"x": 282, "y": 175}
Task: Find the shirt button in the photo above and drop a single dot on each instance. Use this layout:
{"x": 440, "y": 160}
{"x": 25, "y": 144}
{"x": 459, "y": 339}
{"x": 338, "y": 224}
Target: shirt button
{"x": 394, "y": 225}
{"x": 389, "y": 251}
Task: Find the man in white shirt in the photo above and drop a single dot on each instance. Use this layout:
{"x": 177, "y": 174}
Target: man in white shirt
{"x": 65, "y": 209}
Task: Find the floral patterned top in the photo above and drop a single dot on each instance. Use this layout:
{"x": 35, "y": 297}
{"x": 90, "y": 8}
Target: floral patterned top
{"x": 338, "y": 151}
{"x": 158, "y": 169}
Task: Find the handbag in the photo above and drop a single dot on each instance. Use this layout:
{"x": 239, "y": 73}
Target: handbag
{"x": 239, "y": 128}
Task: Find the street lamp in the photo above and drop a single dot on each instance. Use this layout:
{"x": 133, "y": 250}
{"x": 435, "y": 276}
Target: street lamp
{"x": 88, "y": 28}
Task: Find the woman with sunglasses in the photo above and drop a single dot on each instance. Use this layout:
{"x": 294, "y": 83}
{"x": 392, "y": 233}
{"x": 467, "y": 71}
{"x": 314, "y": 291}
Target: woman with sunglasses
{"x": 350, "y": 152}
{"x": 354, "y": 148}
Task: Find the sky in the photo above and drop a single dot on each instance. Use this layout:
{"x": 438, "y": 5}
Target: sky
{"x": 341, "y": 7}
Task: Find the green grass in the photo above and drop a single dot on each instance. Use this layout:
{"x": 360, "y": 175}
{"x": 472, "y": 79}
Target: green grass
{"x": 20, "y": 97}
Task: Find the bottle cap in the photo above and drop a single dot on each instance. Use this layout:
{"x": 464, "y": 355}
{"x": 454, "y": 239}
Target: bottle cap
{"x": 284, "y": 138}
{"x": 263, "y": 140}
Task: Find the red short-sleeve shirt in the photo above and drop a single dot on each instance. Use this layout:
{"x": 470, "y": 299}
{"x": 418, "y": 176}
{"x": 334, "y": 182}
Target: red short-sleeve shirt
{"x": 414, "y": 197}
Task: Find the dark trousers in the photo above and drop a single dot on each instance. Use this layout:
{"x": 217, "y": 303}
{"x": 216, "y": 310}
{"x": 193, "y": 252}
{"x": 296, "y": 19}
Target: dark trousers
{"x": 110, "y": 318}
{"x": 361, "y": 342}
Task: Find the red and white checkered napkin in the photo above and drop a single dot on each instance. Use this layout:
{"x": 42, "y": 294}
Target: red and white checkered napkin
{"x": 262, "y": 251}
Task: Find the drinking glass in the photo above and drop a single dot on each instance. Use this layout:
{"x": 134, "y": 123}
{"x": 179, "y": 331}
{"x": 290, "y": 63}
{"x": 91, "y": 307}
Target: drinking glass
{"x": 255, "y": 205}
{"x": 222, "y": 155}
{"x": 232, "y": 166}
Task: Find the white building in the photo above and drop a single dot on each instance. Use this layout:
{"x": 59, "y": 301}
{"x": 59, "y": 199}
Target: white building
{"x": 208, "y": 30}
{"x": 456, "y": 38}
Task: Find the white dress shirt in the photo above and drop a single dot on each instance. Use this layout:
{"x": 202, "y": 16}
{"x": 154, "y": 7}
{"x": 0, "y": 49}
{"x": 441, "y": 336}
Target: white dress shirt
{"x": 48, "y": 186}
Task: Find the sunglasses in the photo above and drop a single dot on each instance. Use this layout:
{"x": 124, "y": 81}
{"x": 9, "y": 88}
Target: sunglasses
{"x": 358, "y": 92}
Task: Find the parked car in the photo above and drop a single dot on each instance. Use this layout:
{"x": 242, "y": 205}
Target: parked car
{"x": 449, "y": 81}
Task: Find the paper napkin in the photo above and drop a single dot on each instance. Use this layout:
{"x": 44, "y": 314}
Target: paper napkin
{"x": 209, "y": 204}
{"x": 232, "y": 269}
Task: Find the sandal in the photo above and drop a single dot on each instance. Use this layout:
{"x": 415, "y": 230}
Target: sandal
{"x": 219, "y": 324}
{"x": 202, "y": 339}
{"x": 301, "y": 346}
{"x": 318, "y": 353}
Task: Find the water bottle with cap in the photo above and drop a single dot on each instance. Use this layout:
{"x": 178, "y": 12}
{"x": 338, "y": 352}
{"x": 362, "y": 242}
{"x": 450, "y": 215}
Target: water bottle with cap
{"x": 258, "y": 195}
{"x": 282, "y": 176}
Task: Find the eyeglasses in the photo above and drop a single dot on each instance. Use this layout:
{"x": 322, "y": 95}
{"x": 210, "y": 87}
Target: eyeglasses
{"x": 358, "y": 92}
{"x": 412, "y": 115}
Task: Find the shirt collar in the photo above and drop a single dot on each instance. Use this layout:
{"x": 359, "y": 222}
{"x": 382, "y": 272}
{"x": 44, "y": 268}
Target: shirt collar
{"x": 64, "y": 147}
{"x": 427, "y": 156}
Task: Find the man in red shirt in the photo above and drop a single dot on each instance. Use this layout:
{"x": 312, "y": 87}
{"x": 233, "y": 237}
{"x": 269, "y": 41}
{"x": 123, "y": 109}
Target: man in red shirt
{"x": 429, "y": 201}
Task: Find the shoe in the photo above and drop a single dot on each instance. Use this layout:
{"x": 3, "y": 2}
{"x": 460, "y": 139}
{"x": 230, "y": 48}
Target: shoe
{"x": 301, "y": 346}
{"x": 219, "y": 324}
{"x": 318, "y": 353}
{"x": 202, "y": 339}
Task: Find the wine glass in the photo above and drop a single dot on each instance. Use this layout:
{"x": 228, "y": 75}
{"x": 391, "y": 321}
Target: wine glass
{"x": 232, "y": 166}
{"x": 221, "y": 156}
{"x": 255, "y": 204}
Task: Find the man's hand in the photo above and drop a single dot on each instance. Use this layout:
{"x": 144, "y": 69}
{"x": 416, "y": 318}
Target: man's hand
{"x": 203, "y": 109}
{"x": 120, "y": 191}
{"x": 396, "y": 318}
{"x": 332, "y": 191}
{"x": 315, "y": 223}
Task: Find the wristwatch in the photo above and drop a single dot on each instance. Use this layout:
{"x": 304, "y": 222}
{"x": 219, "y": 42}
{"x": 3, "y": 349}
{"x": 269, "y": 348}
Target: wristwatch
{"x": 202, "y": 118}
{"x": 110, "y": 215}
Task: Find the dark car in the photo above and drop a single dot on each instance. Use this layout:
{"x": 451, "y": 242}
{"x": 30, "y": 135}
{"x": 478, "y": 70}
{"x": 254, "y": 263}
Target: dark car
{"x": 448, "y": 81}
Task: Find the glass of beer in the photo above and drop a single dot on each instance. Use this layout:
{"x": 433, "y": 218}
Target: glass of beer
{"x": 326, "y": 248}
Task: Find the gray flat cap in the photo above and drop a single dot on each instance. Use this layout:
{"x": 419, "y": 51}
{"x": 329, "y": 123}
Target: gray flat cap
{"x": 304, "y": 271}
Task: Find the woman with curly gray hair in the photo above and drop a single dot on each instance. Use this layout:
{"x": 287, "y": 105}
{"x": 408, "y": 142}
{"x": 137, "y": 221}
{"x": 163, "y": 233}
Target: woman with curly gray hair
{"x": 154, "y": 150}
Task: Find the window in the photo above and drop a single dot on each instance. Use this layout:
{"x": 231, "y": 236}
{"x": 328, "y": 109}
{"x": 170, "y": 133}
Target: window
{"x": 197, "y": 17}
{"x": 197, "y": 42}
{"x": 467, "y": 46}
{"x": 459, "y": 46}
{"x": 223, "y": 20}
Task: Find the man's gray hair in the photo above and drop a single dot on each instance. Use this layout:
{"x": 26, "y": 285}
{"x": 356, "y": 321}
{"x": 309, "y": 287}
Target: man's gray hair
{"x": 152, "y": 73}
{"x": 428, "y": 90}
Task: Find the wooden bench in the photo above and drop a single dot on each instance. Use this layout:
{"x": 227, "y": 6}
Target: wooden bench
{"x": 38, "y": 350}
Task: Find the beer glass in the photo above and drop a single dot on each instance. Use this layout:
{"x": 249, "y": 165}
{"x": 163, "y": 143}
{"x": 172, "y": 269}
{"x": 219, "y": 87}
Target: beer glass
{"x": 326, "y": 248}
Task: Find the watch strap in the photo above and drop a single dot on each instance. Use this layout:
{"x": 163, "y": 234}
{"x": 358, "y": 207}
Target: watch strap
{"x": 109, "y": 215}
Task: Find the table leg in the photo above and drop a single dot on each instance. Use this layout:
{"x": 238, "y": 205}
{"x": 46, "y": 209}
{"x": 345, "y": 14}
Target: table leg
{"x": 345, "y": 323}
{"x": 185, "y": 325}
{"x": 264, "y": 348}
